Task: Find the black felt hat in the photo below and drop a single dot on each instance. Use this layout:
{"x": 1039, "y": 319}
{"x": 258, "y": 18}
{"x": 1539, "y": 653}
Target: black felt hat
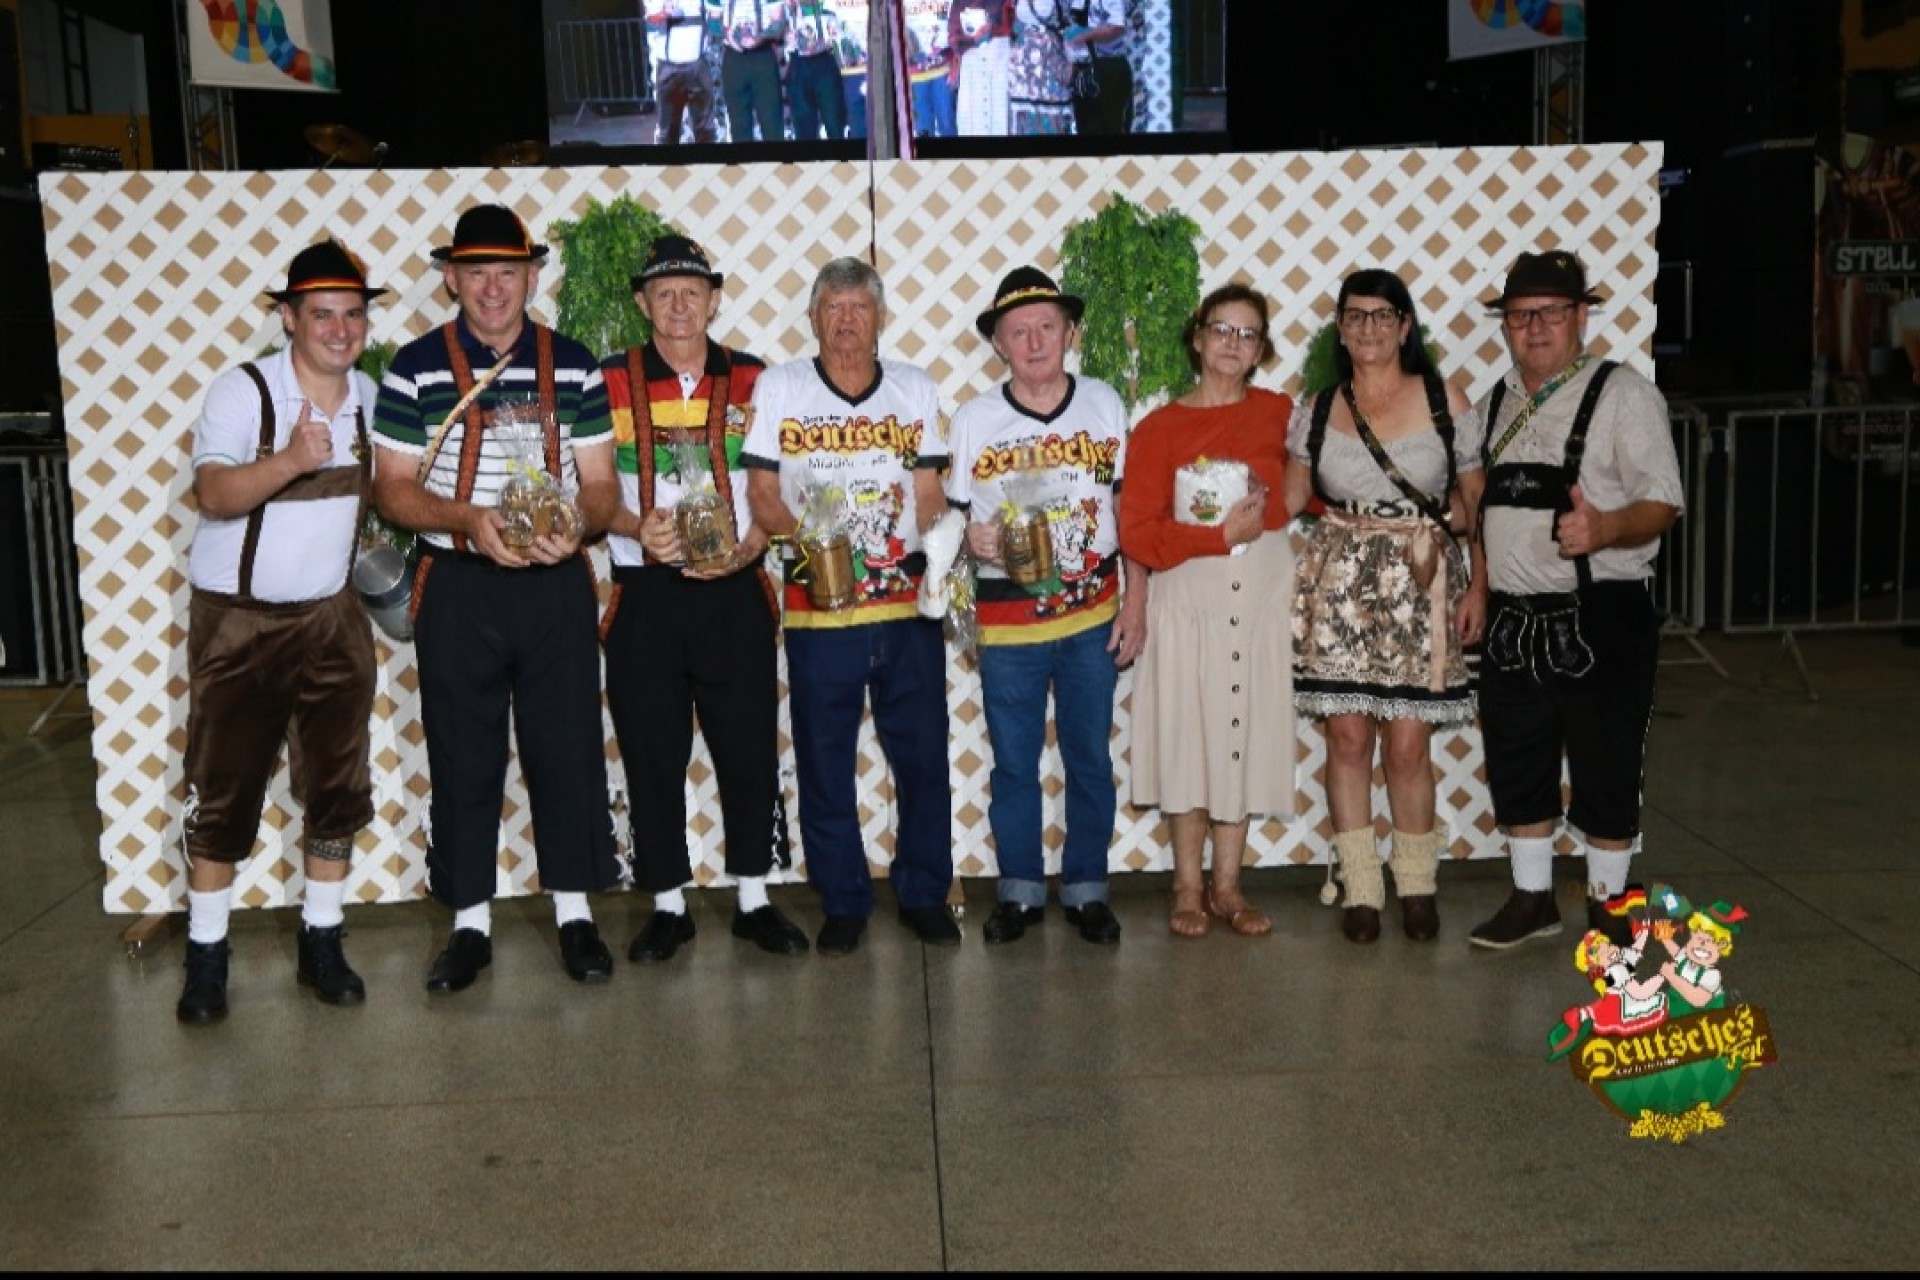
{"x": 676, "y": 255}
{"x": 326, "y": 266}
{"x": 490, "y": 233}
{"x": 1556, "y": 274}
{"x": 1022, "y": 286}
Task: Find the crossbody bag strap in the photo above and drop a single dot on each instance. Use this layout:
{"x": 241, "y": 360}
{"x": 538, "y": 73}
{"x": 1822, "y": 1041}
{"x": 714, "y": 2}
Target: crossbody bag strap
{"x": 1442, "y": 425}
{"x": 1427, "y": 507}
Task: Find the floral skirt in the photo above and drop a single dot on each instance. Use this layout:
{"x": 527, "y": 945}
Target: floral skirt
{"x": 1366, "y": 639}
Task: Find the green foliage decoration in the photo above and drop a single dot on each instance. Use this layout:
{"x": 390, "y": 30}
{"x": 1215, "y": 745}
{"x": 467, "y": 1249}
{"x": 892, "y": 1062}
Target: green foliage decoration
{"x": 375, "y": 358}
{"x": 1317, "y": 366}
{"x": 1140, "y": 275}
{"x": 599, "y": 256}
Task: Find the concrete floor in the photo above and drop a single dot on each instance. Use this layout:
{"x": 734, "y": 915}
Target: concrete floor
{"x": 1291, "y": 1103}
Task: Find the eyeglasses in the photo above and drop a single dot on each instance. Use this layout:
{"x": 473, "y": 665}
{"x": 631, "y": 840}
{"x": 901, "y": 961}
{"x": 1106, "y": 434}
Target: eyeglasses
{"x": 1227, "y": 332}
{"x": 1554, "y": 314}
{"x": 1379, "y": 318}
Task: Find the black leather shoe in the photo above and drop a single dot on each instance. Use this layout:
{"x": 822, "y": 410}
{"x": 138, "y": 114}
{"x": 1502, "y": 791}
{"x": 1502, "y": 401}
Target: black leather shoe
{"x": 467, "y": 952}
{"x": 932, "y": 925}
{"x": 1525, "y": 915}
{"x": 770, "y": 931}
{"x": 324, "y": 967}
{"x": 205, "y": 998}
{"x": 1009, "y": 922}
{"x": 661, "y": 938}
{"x": 840, "y": 935}
{"x": 1095, "y": 922}
{"x": 585, "y": 957}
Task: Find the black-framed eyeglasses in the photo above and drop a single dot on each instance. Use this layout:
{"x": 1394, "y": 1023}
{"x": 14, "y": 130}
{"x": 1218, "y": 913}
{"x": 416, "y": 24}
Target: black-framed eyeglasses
{"x": 1378, "y": 318}
{"x": 1554, "y": 314}
{"x": 1225, "y": 332}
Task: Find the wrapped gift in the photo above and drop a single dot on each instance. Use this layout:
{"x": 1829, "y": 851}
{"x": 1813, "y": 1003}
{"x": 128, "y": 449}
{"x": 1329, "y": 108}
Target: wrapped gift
{"x": 1205, "y": 490}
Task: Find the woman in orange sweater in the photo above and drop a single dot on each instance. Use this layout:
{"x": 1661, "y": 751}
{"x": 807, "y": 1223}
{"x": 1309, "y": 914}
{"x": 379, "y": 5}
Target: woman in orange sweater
{"x": 1213, "y": 692}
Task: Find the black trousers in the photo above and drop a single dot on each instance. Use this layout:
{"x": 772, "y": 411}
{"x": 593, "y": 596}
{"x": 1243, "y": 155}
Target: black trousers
{"x": 494, "y": 641}
{"x": 677, "y": 647}
{"x": 750, "y": 82}
{"x": 1111, "y": 112}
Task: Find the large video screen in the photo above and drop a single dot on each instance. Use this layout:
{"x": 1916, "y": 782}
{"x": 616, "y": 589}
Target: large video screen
{"x": 668, "y": 73}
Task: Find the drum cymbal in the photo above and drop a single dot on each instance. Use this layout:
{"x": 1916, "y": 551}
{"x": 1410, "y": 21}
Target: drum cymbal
{"x": 338, "y": 142}
{"x": 508, "y": 154}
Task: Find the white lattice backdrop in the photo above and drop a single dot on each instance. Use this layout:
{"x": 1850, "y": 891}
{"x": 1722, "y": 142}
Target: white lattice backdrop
{"x": 157, "y": 281}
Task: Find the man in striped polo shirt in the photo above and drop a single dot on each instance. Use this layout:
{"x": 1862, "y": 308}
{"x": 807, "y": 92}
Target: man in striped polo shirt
{"x": 500, "y": 628}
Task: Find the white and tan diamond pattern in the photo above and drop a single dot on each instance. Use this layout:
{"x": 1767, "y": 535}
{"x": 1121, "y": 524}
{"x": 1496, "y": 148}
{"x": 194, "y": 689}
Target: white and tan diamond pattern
{"x": 158, "y": 283}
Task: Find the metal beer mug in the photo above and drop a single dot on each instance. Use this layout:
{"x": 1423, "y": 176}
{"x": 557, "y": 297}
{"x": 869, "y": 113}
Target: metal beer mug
{"x": 1026, "y": 547}
{"x": 829, "y": 571}
{"x": 384, "y": 578}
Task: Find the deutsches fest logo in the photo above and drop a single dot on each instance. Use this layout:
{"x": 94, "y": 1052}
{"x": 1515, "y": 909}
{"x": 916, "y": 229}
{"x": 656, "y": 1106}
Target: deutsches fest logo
{"x": 1661, "y": 1044}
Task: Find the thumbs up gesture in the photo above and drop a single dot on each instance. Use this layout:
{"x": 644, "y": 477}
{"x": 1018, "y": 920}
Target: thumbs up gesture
{"x": 311, "y": 443}
{"x": 1583, "y": 530}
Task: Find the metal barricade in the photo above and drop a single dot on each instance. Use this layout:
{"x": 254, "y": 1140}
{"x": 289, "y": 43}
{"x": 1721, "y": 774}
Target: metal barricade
{"x": 49, "y": 587}
{"x": 1680, "y": 570}
{"x": 1818, "y": 530}
{"x": 602, "y": 63}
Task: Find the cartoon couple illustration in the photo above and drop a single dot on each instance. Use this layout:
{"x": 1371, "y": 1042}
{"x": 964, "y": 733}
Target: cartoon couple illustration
{"x": 1688, "y": 981}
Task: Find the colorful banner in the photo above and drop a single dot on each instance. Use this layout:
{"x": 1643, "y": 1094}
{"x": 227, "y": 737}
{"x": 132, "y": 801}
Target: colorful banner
{"x": 261, "y": 44}
{"x": 1476, "y": 28}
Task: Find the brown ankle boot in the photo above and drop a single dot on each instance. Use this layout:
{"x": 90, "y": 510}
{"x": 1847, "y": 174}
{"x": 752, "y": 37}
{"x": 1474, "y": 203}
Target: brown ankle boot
{"x": 1359, "y": 855}
{"x": 1415, "y": 863}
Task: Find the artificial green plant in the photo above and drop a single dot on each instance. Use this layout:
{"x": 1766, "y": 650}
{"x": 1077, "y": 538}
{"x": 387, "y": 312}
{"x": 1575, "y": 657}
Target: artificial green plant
{"x": 1139, "y": 273}
{"x": 599, "y": 256}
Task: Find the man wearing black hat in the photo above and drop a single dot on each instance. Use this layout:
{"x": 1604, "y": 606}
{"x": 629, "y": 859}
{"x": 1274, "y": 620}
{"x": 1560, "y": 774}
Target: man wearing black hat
{"x": 690, "y": 632}
{"x": 864, "y": 438}
{"x": 501, "y": 626}
{"x": 278, "y": 647}
{"x": 1051, "y": 445}
{"x": 1582, "y": 481}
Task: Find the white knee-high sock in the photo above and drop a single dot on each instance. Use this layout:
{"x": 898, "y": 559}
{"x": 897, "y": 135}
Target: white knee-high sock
{"x": 570, "y": 908}
{"x": 1607, "y": 870}
{"x": 324, "y": 904}
{"x": 1532, "y": 863}
{"x": 751, "y": 892}
{"x": 207, "y": 914}
{"x": 479, "y": 918}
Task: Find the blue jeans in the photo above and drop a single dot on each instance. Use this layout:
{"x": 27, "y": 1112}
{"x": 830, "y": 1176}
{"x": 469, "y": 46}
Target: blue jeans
{"x": 933, "y": 108}
{"x": 1014, "y": 680}
{"x": 830, "y": 674}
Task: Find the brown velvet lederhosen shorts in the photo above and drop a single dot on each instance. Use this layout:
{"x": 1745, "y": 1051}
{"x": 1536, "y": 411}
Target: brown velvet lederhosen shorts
{"x": 262, "y": 674}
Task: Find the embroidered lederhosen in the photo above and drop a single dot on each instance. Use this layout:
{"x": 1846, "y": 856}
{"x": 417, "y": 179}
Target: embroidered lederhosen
{"x": 641, "y": 401}
{"x": 1542, "y": 630}
{"x": 330, "y": 482}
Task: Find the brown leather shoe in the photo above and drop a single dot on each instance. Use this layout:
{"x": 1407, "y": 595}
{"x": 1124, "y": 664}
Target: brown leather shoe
{"x": 1420, "y": 917}
{"x": 1361, "y": 924}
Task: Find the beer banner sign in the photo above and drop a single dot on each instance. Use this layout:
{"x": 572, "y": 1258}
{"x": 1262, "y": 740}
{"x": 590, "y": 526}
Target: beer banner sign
{"x": 1874, "y": 258}
{"x": 1660, "y": 1045}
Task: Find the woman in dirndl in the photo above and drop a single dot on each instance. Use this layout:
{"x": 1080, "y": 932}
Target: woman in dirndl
{"x": 1039, "y": 77}
{"x": 1212, "y": 700}
{"x": 1383, "y": 602}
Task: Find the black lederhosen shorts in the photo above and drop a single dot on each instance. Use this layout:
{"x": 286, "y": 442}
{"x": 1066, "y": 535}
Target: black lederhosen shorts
{"x": 1569, "y": 674}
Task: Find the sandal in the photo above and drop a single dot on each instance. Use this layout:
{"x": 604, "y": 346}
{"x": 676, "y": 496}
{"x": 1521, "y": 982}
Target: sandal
{"x": 1247, "y": 921}
{"x": 1188, "y": 921}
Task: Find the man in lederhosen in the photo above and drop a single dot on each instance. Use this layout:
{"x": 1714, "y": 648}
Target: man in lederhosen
{"x": 1582, "y": 481}
{"x": 683, "y": 638}
{"x": 278, "y": 647}
{"x": 752, "y": 33}
{"x": 498, "y": 629}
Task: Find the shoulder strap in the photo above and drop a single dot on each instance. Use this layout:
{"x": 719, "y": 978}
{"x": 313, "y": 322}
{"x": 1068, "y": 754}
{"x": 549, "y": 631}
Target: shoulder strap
{"x": 1442, "y": 424}
{"x": 470, "y": 428}
{"x": 1577, "y": 450}
{"x": 1317, "y": 437}
{"x": 250, "y": 545}
{"x": 1493, "y": 415}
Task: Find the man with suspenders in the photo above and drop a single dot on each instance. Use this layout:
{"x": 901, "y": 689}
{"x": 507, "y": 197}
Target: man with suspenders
{"x": 684, "y": 638}
{"x": 1582, "y": 481}
{"x": 501, "y": 628}
{"x": 278, "y": 647}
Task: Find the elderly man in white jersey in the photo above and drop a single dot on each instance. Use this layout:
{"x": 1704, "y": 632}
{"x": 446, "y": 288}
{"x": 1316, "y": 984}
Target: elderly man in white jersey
{"x": 1059, "y": 442}
{"x": 1582, "y": 481}
{"x": 278, "y": 647}
{"x": 869, "y": 430}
